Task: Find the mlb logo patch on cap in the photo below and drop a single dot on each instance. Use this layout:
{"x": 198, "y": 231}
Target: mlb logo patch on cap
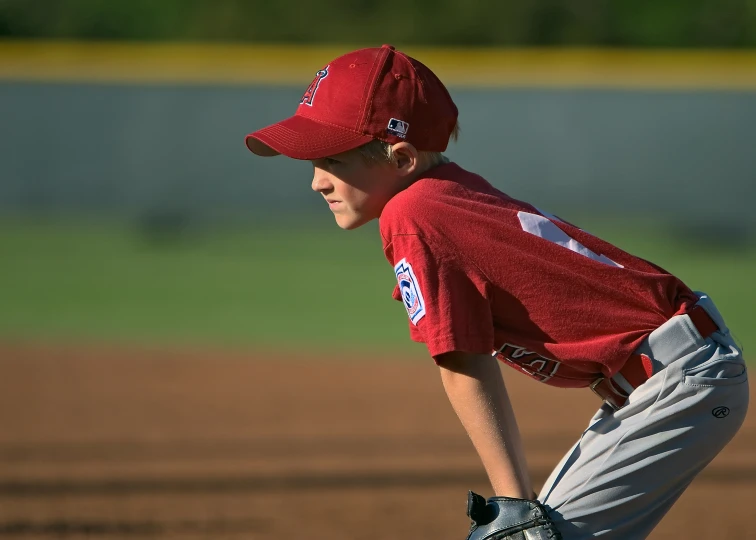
{"x": 398, "y": 128}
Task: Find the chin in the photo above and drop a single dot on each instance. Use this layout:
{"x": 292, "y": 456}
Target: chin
{"x": 349, "y": 223}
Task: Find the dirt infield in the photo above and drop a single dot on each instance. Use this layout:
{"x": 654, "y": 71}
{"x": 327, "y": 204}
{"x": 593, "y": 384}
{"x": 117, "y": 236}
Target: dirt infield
{"x": 99, "y": 443}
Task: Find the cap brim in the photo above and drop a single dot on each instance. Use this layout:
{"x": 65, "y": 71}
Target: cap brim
{"x": 300, "y": 137}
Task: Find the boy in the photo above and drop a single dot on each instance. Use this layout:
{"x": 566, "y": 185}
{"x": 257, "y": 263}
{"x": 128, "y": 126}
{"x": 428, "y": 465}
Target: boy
{"x": 486, "y": 278}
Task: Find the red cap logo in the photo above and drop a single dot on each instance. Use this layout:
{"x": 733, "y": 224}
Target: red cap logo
{"x": 309, "y": 95}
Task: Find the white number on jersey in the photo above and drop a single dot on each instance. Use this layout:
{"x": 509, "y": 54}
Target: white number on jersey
{"x": 546, "y": 229}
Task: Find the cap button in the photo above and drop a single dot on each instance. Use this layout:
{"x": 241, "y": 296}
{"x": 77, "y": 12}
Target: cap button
{"x": 389, "y": 47}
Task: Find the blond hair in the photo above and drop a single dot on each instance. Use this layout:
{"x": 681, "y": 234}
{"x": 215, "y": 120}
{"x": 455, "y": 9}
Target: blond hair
{"x": 377, "y": 151}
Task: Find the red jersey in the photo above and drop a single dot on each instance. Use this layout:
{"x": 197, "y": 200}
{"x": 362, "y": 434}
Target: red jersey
{"x": 481, "y": 272}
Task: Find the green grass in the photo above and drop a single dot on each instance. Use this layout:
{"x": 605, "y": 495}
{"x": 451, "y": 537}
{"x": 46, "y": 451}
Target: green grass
{"x": 298, "y": 288}
{"x": 264, "y": 287}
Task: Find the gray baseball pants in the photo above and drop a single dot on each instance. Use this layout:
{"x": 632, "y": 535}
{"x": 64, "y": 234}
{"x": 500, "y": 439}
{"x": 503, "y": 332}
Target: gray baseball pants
{"x": 631, "y": 465}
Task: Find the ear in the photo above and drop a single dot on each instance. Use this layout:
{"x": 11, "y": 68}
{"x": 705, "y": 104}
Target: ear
{"x": 406, "y": 158}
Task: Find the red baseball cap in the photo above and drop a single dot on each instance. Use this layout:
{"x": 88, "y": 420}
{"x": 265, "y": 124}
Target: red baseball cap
{"x": 377, "y": 93}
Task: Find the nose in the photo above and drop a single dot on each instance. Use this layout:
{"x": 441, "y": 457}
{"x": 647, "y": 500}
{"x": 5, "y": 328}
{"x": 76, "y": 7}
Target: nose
{"x": 320, "y": 181}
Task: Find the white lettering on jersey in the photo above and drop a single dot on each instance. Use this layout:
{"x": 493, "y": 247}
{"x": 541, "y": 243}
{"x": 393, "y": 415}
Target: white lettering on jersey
{"x": 531, "y": 363}
{"x": 410, "y": 291}
{"x": 546, "y": 229}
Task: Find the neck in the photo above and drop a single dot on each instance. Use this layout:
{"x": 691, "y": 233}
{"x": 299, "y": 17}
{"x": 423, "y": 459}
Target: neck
{"x": 430, "y": 162}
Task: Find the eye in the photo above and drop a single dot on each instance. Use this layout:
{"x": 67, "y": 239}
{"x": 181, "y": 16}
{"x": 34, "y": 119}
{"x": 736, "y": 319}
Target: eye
{"x": 331, "y": 161}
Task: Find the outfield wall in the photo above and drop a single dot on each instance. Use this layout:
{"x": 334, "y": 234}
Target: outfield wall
{"x": 107, "y": 131}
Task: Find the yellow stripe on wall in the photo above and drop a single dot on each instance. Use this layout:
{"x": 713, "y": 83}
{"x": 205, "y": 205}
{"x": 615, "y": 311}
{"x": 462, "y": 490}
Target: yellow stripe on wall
{"x": 137, "y": 63}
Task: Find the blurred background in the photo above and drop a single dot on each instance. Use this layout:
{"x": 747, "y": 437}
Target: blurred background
{"x": 187, "y": 340}
{"x": 132, "y": 212}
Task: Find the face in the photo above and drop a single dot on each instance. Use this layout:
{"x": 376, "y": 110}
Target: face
{"x": 355, "y": 192}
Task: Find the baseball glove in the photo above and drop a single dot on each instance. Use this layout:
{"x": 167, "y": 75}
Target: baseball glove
{"x": 505, "y": 518}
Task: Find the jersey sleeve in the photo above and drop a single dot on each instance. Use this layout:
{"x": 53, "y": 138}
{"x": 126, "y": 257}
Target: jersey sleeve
{"x": 445, "y": 298}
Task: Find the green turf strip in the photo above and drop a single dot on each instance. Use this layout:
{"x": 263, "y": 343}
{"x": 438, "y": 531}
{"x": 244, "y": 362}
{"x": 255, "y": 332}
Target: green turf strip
{"x": 297, "y": 288}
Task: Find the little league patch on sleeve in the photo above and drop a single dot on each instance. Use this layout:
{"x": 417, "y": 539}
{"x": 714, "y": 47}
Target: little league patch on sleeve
{"x": 410, "y": 291}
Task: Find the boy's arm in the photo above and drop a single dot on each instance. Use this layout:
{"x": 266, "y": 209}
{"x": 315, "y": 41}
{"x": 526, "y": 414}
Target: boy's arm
{"x": 476, "y": 390}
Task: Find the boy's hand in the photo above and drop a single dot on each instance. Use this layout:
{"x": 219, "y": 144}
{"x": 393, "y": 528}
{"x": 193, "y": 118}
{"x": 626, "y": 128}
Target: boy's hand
{"x": 505, "y": 518}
